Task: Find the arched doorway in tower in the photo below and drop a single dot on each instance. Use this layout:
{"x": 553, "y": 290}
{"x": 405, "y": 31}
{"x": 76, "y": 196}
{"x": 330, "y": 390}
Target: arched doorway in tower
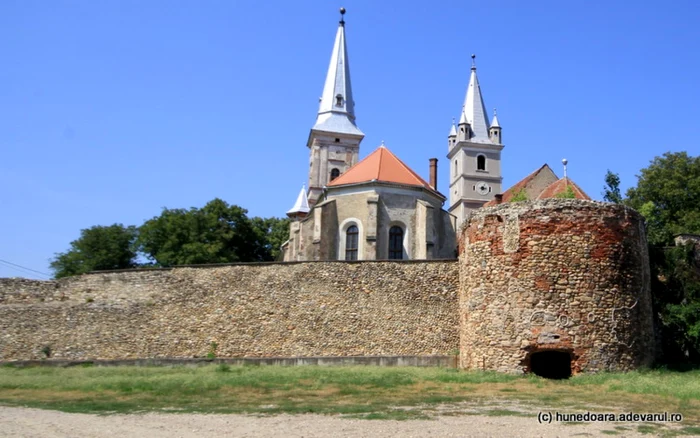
{"x": 549, "y": 363}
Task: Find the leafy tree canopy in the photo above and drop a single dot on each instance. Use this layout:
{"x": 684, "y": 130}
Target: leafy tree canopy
{"x": 216, "y": 233}
{"x": 274, "y": 232}
{"x": 98, "y": 248}
{"x": 611, "y": 191}
{"x": 668, "y": 195}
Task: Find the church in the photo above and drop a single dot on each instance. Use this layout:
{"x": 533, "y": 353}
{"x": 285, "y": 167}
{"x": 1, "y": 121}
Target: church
{"x": 379, "y": 208}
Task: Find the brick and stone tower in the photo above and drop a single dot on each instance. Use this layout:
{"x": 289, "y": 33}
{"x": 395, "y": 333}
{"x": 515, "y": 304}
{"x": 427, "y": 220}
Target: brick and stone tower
{"x": 475, "y": 154}
{"x": 334, "y": 141}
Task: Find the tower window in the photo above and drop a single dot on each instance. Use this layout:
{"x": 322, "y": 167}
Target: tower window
{"x": 351, "y": 239}
{"x": 339, "y": 100}
{"x": 335, "y": 173}
{"x": 456, "y": 166}
{"x": 395, "y": 243}
{"x": 480, "y": 162}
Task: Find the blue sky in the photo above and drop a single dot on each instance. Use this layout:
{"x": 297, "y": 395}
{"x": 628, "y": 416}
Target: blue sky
{"x": 112, "y": 110}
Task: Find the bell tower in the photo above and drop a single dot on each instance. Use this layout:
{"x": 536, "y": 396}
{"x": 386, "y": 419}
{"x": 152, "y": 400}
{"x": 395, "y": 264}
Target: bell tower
{"x": 474, "y": 151}
{"x": 334, "y": 140}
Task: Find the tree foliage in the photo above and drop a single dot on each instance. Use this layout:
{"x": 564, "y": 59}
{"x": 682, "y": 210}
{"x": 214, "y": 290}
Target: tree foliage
{"x": 519, "y": 196}
{"x": 274, "y": 232}
{"x": 566, "y": 194}
{"x": 676, "y": 299}
{"x": 611, "y": 191}
{"x": 98, "y": 248}
{"x": 216, "y": 233}
{"x": 668, "y": 196}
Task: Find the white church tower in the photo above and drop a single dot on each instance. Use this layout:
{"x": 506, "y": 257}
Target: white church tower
{"x": 334, "y": 141}
{"x": 474, "y": 151}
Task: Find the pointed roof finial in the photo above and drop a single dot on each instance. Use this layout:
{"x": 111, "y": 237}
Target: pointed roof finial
{"x": 564, "y": 162}
{"x": 453, "y": 129}
{"x": 382, "y": 145}
{"x": 494, "y": 122}
{"x": 342, "y": 16}
{"x": 473, "y": 61}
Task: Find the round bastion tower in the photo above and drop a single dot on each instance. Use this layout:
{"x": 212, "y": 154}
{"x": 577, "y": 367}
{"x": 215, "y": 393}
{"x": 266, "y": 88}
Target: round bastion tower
{"x": 555, "y": 287}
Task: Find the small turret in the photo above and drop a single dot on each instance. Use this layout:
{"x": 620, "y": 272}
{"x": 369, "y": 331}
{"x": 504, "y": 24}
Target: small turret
{"x": 495, "y": 129}
{"x": 301, "y": 207}
{"x": 452, "y": 137}
{"x": 465, "y": 128}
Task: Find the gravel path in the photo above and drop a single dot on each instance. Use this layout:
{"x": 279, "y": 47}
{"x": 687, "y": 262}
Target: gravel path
{"x": 35, "y": 423}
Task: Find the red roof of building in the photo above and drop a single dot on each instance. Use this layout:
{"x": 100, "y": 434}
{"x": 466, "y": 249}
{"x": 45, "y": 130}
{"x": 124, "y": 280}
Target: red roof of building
{"x": 533, "y": 187}
{"x": 519, "y": 186}
{"x": 559, "y": 188}
{"x": 381, "y": 165}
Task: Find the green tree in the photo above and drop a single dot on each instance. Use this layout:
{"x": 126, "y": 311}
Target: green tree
{"x": 676, "y": 299}
{"x": 668, "y": 195}
{"x": 274, "y": 232}
{"x": 519, "y": 196}
{"x": 216, "y": 233}
{"x": 98, "y": 248}
{"x": 611, "y": 191}
{"x": 566, "y": 194}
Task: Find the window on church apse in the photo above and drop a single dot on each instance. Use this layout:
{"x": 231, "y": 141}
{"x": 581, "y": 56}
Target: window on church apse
{"x": 395, "y": 243}
{"x": 480, "y": 162}
{"x": 351, "y": 240}
{"x": 335, "y": 173}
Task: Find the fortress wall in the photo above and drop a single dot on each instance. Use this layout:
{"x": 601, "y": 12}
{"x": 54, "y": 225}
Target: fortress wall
{"x": 254, "y": 310}
{"x": 561, "y": 275}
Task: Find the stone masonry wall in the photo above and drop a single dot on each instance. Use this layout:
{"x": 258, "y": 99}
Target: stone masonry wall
{"x": 248, "y": 310}
{"x": 562, "y": 275}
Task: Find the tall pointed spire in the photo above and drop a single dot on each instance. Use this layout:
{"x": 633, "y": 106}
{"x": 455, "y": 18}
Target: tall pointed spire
{"x": 474, "y": 110}
{"x": 336, "y": 112}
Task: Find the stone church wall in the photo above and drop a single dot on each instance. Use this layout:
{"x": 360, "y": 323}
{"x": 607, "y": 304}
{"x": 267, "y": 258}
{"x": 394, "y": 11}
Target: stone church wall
{"x": 248, "y": 310}
{"x": 568, "y": 276}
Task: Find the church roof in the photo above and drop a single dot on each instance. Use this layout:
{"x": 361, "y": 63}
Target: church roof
{"x": 381, "y": 165}
{"x": 541, "y": 184}
{"x": 301, "y": 205}
{"x": 336, "y": 112}
{"x": 531, "y": 185}
{"x": 560, "y": 187}
{"x": 474, "y": 110}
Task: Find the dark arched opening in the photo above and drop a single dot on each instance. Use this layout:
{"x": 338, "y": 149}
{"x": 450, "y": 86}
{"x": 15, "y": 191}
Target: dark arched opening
{"x": 551, "y": 364}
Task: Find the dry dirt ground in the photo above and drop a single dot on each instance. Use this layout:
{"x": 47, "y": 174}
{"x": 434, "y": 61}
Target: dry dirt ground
{"x": 26, "y": 422}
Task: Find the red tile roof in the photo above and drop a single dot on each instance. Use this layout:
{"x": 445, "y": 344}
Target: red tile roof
{"x": 381, "y": 165}
{"x": 560, "y": 187}
{"x": 519, "y": 186}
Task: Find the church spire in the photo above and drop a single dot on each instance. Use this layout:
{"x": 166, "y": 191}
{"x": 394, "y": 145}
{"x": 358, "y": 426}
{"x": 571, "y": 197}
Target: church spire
{"x": 474, "y": 111}
{"x": 301, "y": 206}
{"x": 336, "y": 112}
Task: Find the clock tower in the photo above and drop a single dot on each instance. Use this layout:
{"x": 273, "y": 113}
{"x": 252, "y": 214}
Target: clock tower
{"x": 474, "y": 151}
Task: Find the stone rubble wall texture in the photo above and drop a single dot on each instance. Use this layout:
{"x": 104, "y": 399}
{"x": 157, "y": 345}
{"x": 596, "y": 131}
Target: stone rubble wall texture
{"x": 250, "y": 310}
{"x": 563, "y": 275}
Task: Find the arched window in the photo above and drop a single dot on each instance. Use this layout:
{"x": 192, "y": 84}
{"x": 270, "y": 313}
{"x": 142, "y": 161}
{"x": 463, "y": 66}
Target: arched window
{"x": 395, "y": 243}
{"x": 351, "y": 240}
{"x": 480, "y": 162}
{"x": 335, "y": 173}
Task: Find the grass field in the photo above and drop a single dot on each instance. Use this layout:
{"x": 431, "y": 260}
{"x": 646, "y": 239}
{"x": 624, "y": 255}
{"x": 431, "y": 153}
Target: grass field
{"x": 365, "y": 392}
